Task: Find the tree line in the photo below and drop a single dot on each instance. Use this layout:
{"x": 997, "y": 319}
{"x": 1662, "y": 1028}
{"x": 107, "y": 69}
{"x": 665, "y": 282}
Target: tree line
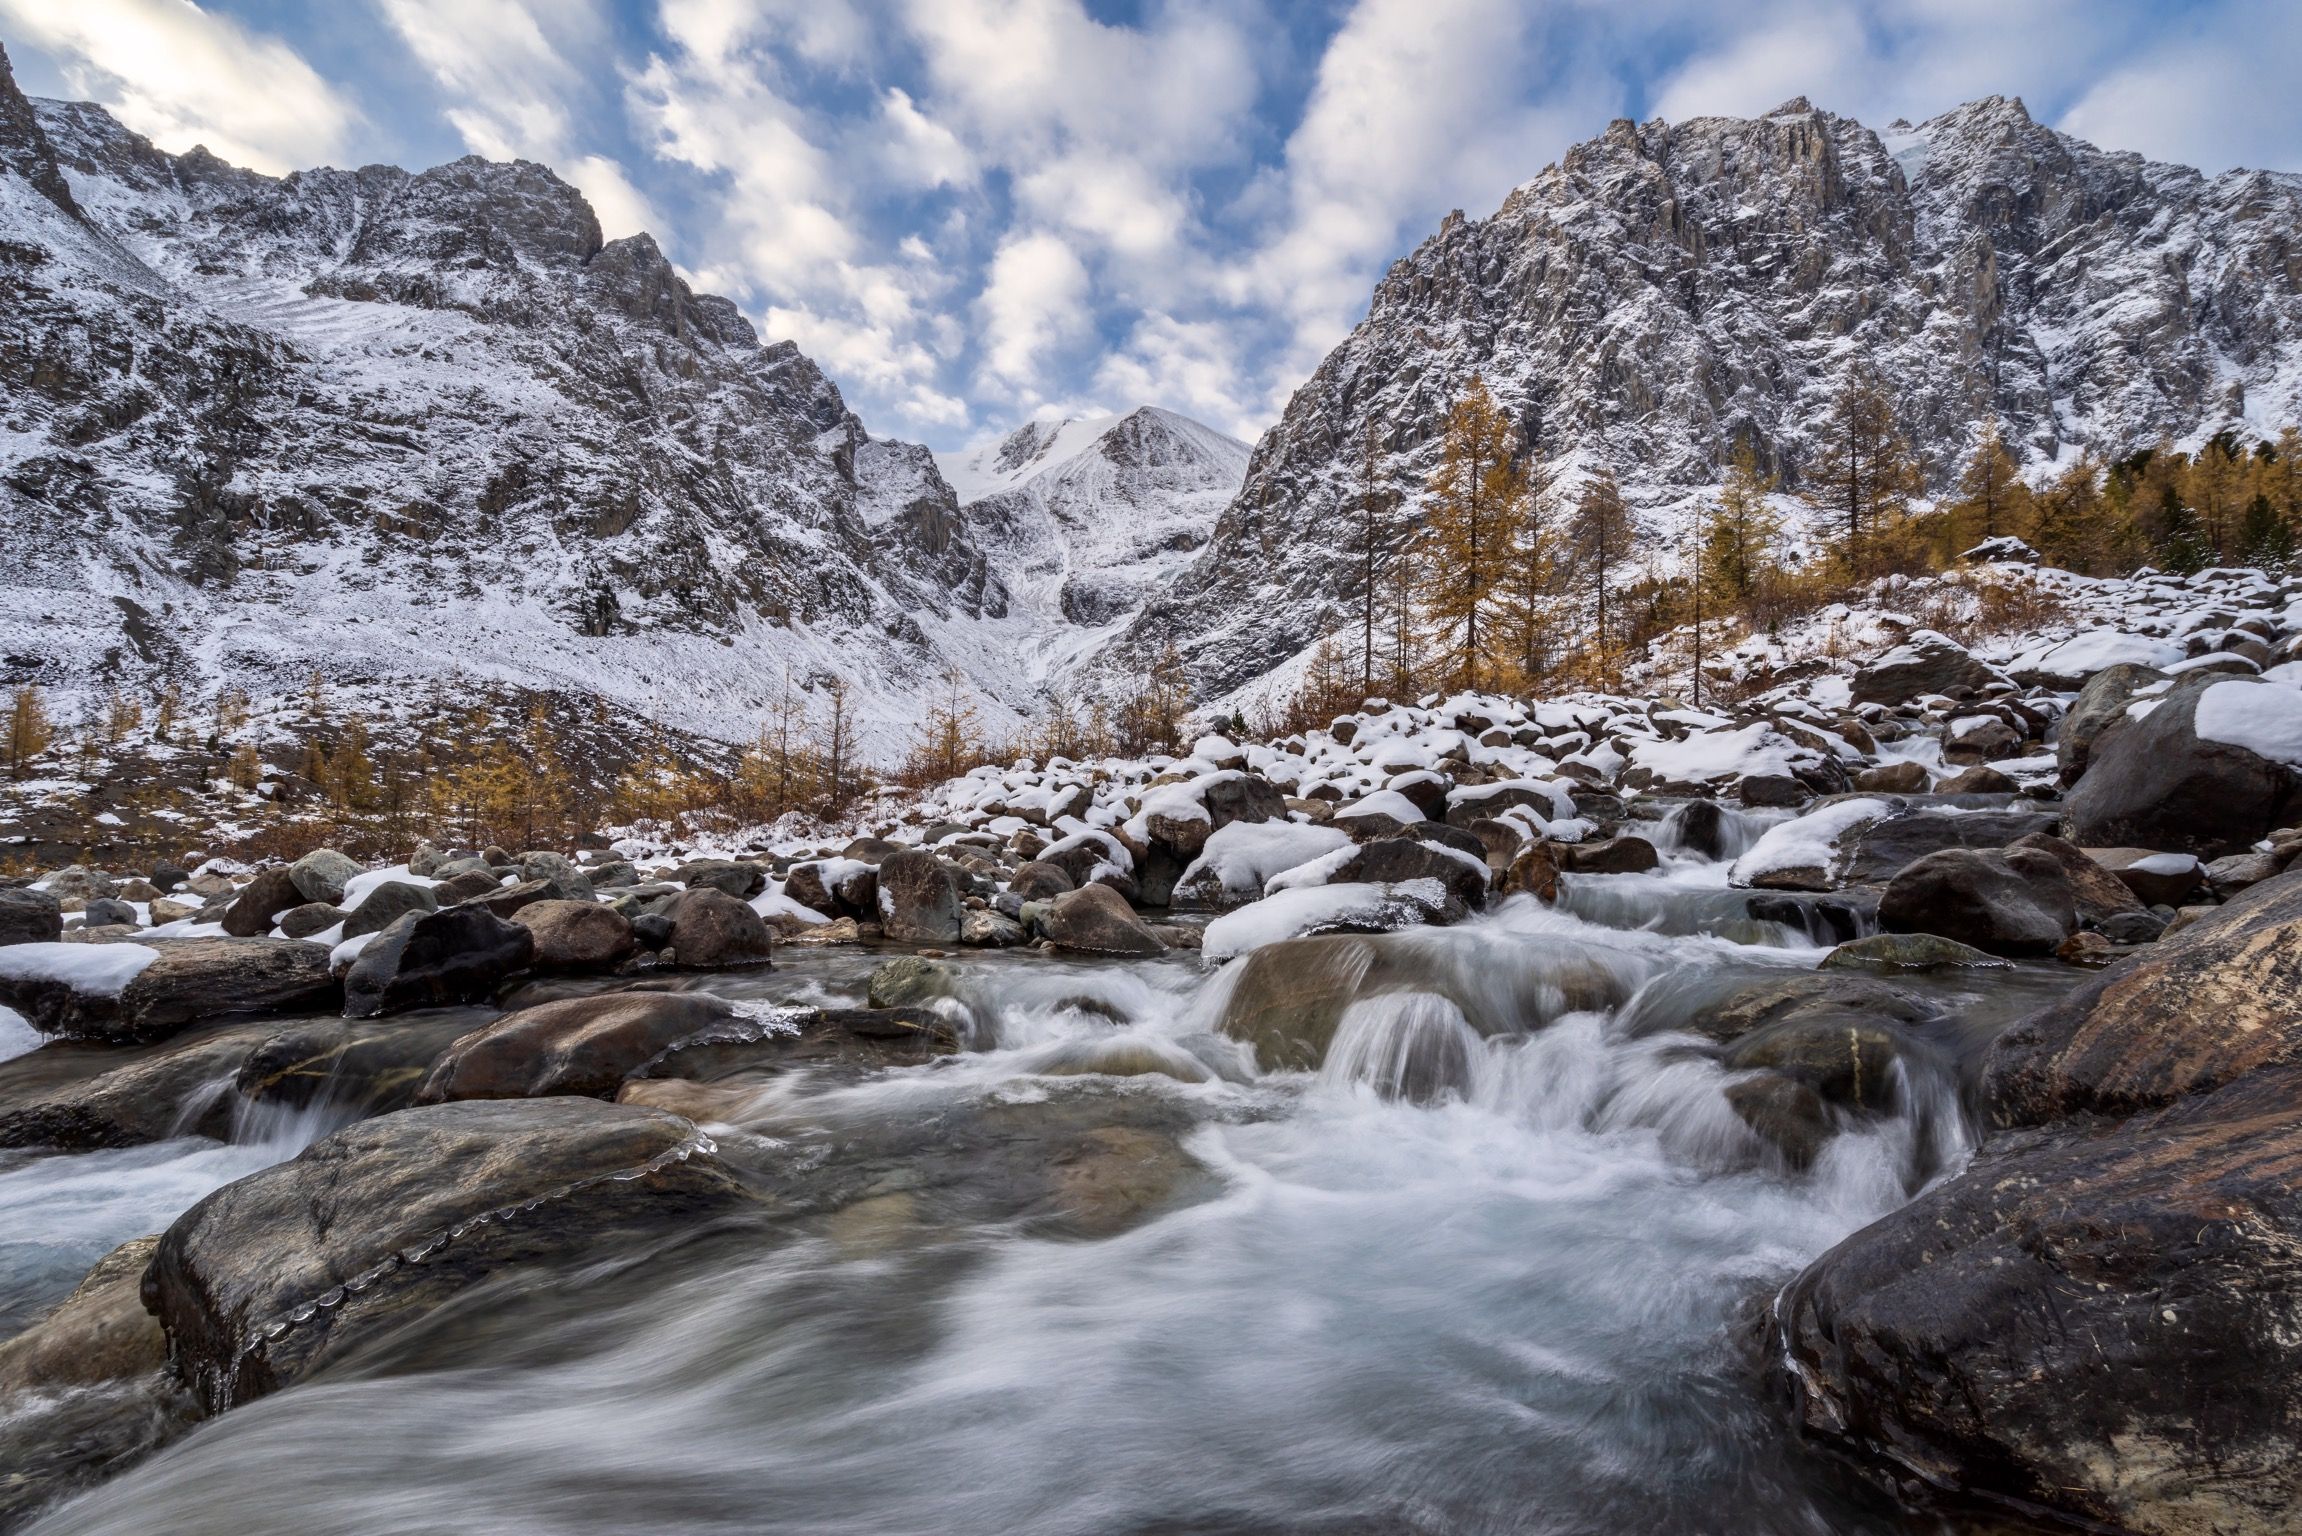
{"x": 1495, "y": 578}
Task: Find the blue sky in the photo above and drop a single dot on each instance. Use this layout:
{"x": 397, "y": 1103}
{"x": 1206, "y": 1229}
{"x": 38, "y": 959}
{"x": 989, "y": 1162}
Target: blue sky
{"x": 972, "y": 212}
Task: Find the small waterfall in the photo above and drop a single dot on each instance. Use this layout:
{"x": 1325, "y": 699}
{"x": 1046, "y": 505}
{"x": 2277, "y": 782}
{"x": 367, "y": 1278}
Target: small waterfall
{"x": 1405, "y": 1045}
{"x": 1706, "y": 829}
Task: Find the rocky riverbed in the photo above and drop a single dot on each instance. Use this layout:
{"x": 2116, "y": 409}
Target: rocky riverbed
{"x": 1602, "y": 1114}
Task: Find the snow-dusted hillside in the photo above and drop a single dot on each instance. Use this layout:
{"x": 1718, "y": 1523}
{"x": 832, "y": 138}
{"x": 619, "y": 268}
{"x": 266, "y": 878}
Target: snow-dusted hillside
{"x": 1084, "y": 520}
{"x": 405, "y": 426}
{"x": 1668, "y": 290}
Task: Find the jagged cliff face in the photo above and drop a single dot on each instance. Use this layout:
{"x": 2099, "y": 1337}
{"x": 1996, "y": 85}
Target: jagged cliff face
{"x": 1669, "y": 290}
{"x": 390, "y": 423}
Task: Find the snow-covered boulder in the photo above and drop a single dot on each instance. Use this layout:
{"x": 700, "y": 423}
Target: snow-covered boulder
{"x": 2210, "y": 767}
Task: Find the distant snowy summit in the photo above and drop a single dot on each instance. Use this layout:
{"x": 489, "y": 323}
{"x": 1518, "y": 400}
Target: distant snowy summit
{"x": 1083, "y": 519}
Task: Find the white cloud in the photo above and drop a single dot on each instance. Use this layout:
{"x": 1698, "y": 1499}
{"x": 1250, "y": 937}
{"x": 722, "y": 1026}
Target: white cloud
{"x": 1192, "y": 366}
{"x": 2221, "y": 98}
{"x": 182, "y": 76}
{"x": 1035, "y": 300}
{"x": 621, "y": 208}
{"x": 498, "y": 60}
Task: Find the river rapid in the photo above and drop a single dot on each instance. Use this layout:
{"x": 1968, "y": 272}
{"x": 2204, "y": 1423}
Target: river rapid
{"x": 1496, "y": 1266}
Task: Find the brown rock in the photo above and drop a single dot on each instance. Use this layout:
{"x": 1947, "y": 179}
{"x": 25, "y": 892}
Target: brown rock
{"x": 579, "y": 1045}
{"x": 711, "y": 930}
{"x": 576, "y": 935}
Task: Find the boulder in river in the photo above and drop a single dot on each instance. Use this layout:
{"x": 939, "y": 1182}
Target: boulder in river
{"x": 918, "y": 899}
{"x": 739, "y": 878}
{"x": 2096, "y": 1320}
{"x": 2218, "y": 1000}
{"x": 426, "y": 959}
{"x": 576, "y": 935}
{"x": 1096, "y": 920}
{"x": 100, "y": 1333}
{"x": 2210, "y": 770}
{"x": 2017, "y": 902}
{"x": 276, "y": 1275}
{"x": 1393, "y": 860}
{"x": 578, "y": 1045}
{"x": 711, "y": 930}
{"x": 137, "y": 993}
{"x": 322, "y": 874}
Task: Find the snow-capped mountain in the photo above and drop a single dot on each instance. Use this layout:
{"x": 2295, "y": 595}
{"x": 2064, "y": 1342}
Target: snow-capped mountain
{"x": 1668, "y": 290}
{"x": 399, "y": 425}
{"x": 1084, "y": 520}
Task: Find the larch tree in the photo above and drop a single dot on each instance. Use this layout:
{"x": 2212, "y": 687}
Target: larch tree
{"x": 1736, "y": 547}
{"x": 1476, "y": 503}
{"x": 1863, "y": 475}
{"x": 1603, "y": 535}
{"x": 1373, "y": 546}
{"x": 1992, "y": 500}
{"x": 29, "y": 730}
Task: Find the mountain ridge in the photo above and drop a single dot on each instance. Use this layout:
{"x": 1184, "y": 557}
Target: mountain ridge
{"x": 1664, "y": 292}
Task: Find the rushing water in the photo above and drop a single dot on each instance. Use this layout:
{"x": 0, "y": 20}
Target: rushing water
{"x": 1458, "y": 1280}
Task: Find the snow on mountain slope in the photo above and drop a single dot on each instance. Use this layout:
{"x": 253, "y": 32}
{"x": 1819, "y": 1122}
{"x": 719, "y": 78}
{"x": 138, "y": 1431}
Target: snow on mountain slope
{"x": 1669, "y": 290}
{"x": 1084, "y": 520}
{"x": 411, "y": 427}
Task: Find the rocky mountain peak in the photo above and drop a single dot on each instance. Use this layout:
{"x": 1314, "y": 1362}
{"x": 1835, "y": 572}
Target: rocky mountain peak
{"x": 1667, "y": 291}
{"x": 24, "y": 148}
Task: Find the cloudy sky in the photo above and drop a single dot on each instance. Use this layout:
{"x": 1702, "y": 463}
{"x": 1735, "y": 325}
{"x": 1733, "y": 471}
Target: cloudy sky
{"x": 972, "y": 212}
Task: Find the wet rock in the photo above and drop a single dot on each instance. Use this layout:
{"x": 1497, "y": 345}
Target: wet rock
{"x": 576, "y": 935}
{"x": 359, "y": 1067}
{"x": 2099, "y": 894}
{"x": 1772, "y": 789}
{"x": 585, "y": 1046}
{"x": 991, "y": 930}
{"x": 1893, "y": 779}
{"x": 848, "y": 1042}
{"x": 1393, "y": 860}
{"x": 1738, "y": 1008}
{"x": 260, "y": 903}
{"x": 918, "y": 899}
{"x": 310, "y": 918}
{"x": 1785, "y": 1113}
{"x": 2156, "y": 783}
{"x": 736, "y": 878}
{"x": 1825, "y": 919}
{"x": 2086, "y": 948}
{"x": 2099, "y": 704}
{"x": 79, "y": 1096}
{"x": 186, "y": 981}
{"x": 1847, "y": 1061}
{"x": 1128, "y": 1056}
{"x": 843, "y": 930}
{"x": 909, "y": 981}
{"x": 1290, "y": 996}
{"x": 1885, "y": 848}
{"x": 322, "y": 874}
{"x": 2018, "y": 902}
{"x": 711, "y": 930}
{"x": 1040, "y": 881}
{"x": 2140, "y": 926}
{"x": 271, "y": 1278}
{"x": 2092, "y": 1319}
{"x": 387, "y": 904}
{"x": 2156, "y": 879}
{"x": 1536, "y": 872}
{"x": 100, "y": 1333}
{"x": 1096, "y": 920}
{"x": 1624, "y": 855}
{"x": 429, "y": 959}
{"x": 1981, "y": 779}
{"x": 82, "y": 1396}
{"x": 1928, "y": 663}
{"x": 1892, "y": 953}
{"x": 2202, "y": 1007}
{"x": 30, "y": 917}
